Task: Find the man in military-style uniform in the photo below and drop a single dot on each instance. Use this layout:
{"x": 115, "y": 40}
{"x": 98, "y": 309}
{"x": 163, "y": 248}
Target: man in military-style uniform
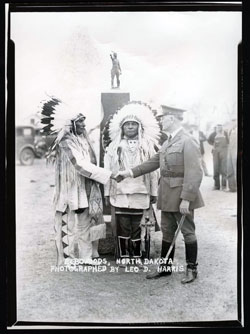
{"x": 178, "y": 192}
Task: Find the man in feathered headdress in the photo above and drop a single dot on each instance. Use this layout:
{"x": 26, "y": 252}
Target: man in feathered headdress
{"x": 77, "y": 192}
{"x": 134, "y": 133}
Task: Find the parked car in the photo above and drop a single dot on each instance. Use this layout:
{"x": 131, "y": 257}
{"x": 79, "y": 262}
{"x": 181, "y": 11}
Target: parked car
{"x": 42, "y": 143}
{"x": 30, "y": 144}
{"x": 25, "y": 149}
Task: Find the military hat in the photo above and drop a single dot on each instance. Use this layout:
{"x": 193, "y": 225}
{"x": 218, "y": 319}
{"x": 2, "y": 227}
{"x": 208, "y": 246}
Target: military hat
{"x": 165, "y": 110}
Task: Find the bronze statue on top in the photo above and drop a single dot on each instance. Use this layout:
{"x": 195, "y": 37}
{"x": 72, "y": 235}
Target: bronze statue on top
{"x": 116, "y": 70}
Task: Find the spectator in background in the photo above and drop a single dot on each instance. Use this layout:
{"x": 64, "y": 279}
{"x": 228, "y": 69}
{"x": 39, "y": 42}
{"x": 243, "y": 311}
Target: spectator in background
{"x": 232, "y": 157}
{"x": 219, "y": 140}
{"x": 200, "y": 137}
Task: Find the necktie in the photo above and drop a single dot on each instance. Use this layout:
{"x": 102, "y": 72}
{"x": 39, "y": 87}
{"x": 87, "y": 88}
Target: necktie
{"x": 169, "y": 138}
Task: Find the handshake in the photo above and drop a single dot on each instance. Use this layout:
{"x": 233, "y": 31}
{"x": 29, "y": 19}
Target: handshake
{"x": 121, "y": 175}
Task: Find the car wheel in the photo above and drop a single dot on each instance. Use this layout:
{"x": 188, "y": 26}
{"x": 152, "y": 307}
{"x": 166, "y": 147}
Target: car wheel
{"x": 27, "y": 157}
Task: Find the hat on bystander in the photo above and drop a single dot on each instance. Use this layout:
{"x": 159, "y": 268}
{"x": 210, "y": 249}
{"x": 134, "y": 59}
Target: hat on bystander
{"x": 165, "y": 111}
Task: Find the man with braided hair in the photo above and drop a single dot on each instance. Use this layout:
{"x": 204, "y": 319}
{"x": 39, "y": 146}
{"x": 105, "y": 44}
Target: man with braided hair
{"x": 77, "y": 193}
{"x": 134, "y": 133}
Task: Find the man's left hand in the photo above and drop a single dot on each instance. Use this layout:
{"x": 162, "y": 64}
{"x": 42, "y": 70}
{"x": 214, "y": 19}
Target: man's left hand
{"x": 184, "y": 207}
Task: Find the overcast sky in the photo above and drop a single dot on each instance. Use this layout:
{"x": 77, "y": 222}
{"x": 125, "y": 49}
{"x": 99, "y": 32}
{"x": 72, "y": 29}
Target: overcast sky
{"x": 182, "y": 59}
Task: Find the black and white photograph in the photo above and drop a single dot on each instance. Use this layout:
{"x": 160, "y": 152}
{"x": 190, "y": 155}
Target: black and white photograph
{"x": 127, "y": 167}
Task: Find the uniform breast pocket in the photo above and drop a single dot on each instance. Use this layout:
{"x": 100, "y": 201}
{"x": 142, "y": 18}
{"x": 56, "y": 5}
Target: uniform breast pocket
{"x": 174, "y": 155}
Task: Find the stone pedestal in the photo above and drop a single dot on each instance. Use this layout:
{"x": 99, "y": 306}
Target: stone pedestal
{"x": 110, "y": 102}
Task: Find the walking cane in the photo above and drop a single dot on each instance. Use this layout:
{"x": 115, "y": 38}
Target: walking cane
{"x": 175, "y": 235}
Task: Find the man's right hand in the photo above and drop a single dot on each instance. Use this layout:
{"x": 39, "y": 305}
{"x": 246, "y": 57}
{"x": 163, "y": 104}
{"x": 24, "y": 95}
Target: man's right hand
{"x": 122, "y": 175}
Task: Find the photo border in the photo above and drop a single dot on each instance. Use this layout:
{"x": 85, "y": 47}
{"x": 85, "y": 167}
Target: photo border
{"x": 59, "y": 6}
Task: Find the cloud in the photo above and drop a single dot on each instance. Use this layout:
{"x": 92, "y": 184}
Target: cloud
{"x": 178, "y": 58}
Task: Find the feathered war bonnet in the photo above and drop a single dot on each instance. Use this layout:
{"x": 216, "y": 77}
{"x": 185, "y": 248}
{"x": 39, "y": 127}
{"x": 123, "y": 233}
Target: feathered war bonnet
{"x": 148, "y": 131}
{"x": 58, "y": 118}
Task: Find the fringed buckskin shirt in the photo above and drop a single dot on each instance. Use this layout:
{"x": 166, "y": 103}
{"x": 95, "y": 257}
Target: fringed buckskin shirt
{"x": 74, "y": 169}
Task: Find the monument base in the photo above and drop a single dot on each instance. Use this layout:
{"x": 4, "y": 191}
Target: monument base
{"x": 111, "y": 101}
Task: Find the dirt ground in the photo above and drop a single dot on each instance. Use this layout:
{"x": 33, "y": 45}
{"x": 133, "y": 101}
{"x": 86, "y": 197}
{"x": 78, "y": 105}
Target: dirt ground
{"x": 122, "y": 297}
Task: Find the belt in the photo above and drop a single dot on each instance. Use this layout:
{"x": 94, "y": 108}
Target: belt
{"x": 171, "y": 174}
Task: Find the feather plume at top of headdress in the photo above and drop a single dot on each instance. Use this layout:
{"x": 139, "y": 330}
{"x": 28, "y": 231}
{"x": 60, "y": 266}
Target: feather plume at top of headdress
{"x": 57, "y": 118}
{"x": 56, "y": 115}
{"x": 139, "y": 112}
{"x": 47, "y": 114}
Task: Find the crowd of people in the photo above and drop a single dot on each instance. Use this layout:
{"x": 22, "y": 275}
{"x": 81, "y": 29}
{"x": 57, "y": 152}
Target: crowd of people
{"x": 224, "y": 153}
{"x": 224, "y": 156}
{"x": 137, "y": 173}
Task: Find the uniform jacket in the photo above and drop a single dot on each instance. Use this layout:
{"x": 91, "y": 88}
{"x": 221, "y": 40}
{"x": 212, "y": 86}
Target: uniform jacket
{"x": 180, "y": 172}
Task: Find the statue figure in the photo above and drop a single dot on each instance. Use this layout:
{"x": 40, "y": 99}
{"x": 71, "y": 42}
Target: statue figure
{"x": 116, "y": 70}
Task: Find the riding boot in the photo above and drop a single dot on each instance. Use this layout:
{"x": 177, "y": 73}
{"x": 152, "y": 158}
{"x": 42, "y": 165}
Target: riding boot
{"x": 191, "y": 257}
{"x": 164, "y": 269}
